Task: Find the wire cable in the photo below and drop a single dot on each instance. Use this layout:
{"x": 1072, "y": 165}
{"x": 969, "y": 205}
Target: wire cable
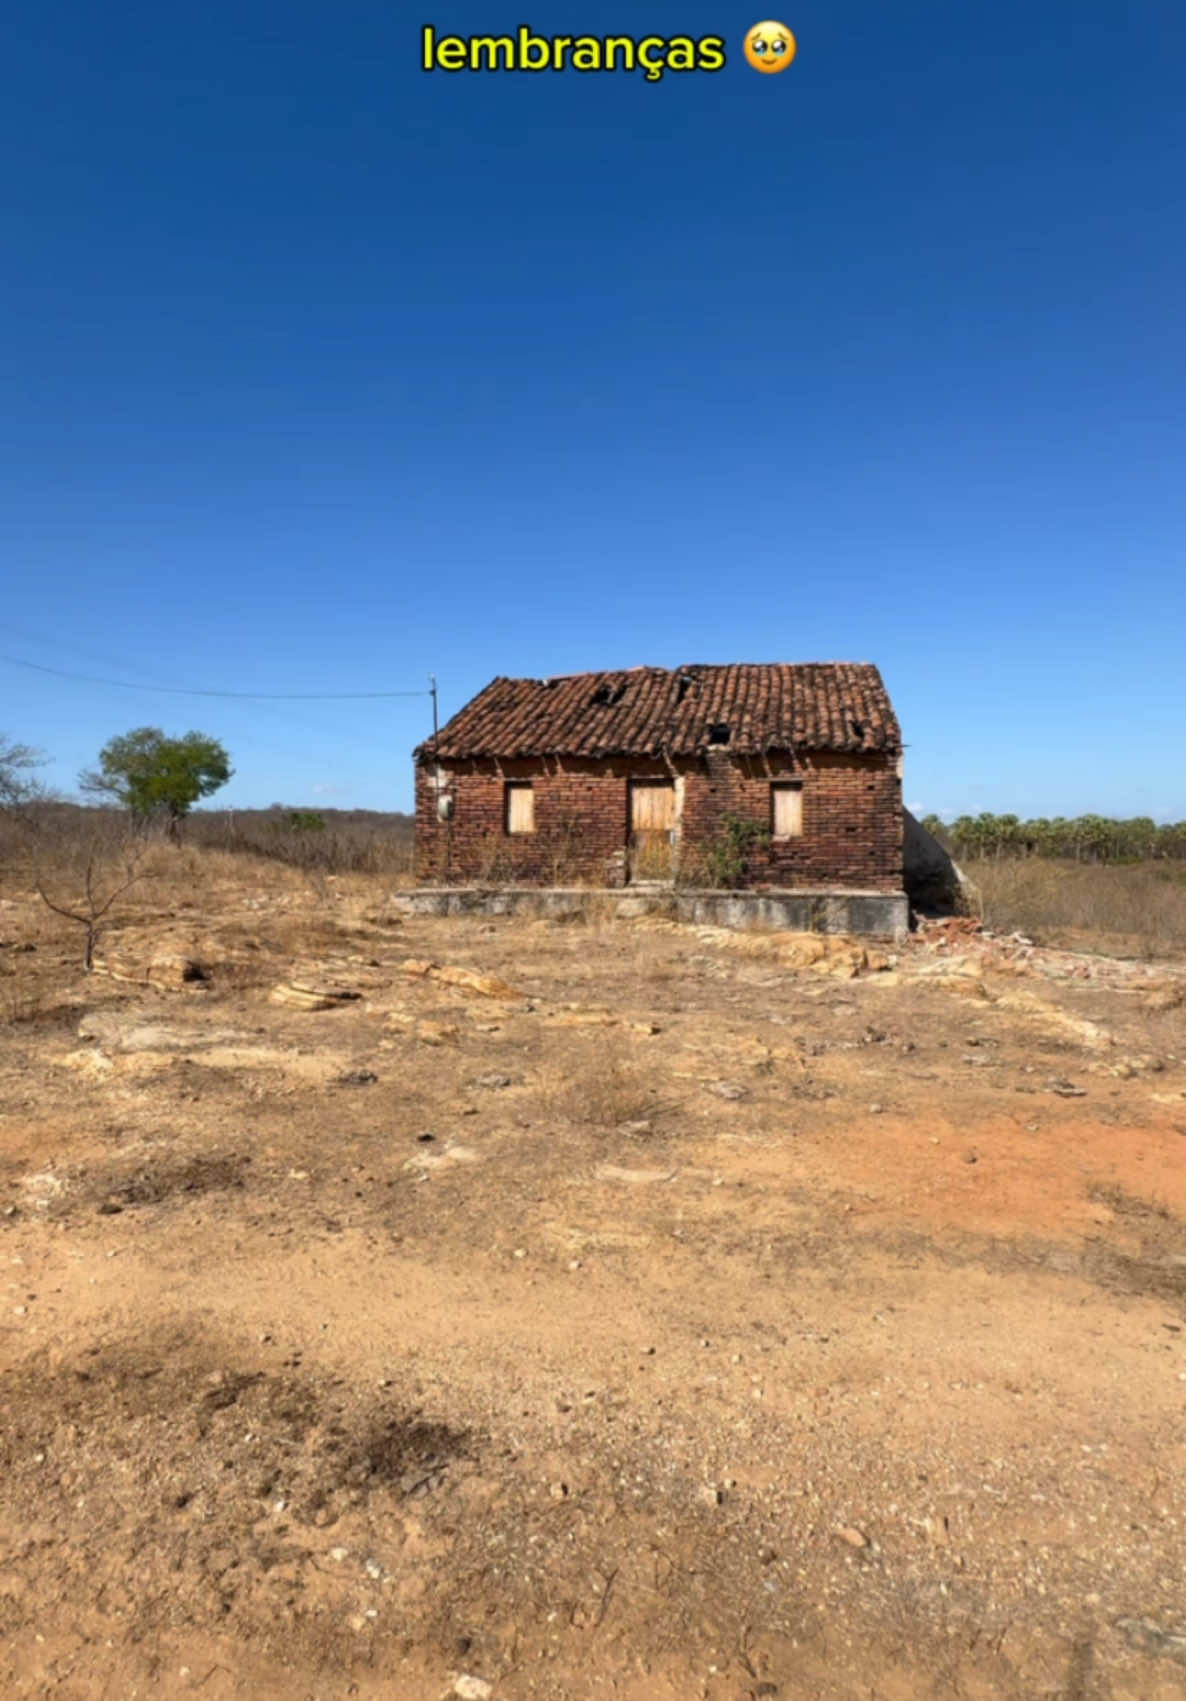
{"x": 183, "y": 691}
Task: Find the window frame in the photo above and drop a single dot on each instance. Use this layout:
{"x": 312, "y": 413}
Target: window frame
{"x": 511, "y": 789}
{"x": 791, "y": 788}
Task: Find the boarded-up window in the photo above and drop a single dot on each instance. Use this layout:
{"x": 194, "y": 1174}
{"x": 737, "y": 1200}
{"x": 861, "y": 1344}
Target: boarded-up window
{"x": 786, "y": 809}
{"x": 520, "y": 807}
{"x": 652, "y": 806}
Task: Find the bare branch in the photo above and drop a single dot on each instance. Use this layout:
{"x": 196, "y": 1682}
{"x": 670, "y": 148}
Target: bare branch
{"x": 97, "y": 902}
{"x": 17, "y": 762}
{"x": 59, "y": 909}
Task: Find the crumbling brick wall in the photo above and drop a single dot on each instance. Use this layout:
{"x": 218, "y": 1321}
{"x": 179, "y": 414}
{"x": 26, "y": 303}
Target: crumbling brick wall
{"x": 852, "y": 819}
{"x": 580, "y": 824}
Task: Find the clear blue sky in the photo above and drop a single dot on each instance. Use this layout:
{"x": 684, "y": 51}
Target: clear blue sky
{"x": 321, "y": 373}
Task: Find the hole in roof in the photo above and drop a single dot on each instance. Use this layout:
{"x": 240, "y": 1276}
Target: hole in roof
{"x": 606, "y": 696}
{"x": 682, "y": 686}
{"x": 858, "y": 728}
{"x": 718, "y": 733}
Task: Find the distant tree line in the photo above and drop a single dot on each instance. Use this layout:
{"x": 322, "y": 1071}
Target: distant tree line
{"x": 1081, "y": 838}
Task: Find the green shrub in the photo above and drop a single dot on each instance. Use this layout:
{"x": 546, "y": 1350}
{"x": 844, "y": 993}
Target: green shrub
{"x": 726, "y": 856}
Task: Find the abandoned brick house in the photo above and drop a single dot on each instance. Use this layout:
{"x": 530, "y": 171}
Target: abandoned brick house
{"x": 764, "y": 776}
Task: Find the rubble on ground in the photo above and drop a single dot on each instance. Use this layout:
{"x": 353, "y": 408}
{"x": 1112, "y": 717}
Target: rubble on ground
{"x": 964, "y": 940}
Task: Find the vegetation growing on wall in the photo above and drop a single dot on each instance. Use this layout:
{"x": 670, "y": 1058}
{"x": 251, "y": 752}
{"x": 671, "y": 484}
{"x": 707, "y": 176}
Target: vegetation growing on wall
{"x": 726, "y": 856}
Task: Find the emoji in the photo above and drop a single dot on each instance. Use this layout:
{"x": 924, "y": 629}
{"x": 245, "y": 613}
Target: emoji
{"x": 770, "y": 47}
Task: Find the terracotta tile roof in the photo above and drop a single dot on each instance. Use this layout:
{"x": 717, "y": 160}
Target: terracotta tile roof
{"x": 837, "y": 706}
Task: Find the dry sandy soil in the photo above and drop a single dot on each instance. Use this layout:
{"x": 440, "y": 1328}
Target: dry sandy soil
{"x": 652, "y": 1313}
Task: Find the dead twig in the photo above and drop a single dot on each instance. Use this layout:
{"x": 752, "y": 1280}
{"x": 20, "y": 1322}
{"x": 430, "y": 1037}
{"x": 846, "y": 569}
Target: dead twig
{"x": 606, "y": 1592}
{"x": 97, "y": 904}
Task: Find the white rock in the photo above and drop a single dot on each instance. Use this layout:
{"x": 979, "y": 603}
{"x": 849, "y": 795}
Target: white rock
{"x": 473, "y": 1689}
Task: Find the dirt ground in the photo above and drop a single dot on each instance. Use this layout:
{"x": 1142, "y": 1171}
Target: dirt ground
{"x": 642, "y": 1312}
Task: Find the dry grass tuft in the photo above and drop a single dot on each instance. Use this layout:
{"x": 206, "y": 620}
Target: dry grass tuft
{"x": 18, "y": 1006}
{"x": 600, "y": 1087}
{"x": 1129, "y": 910}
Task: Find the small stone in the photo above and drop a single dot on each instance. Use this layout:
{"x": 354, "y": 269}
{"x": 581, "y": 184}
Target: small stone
{"x": 311, "y": 997}
{"x": 731, "y": 1090}
{"x": 339, "y": 1553}
{"x": 971, "y": 1157}
{"x": 472, "y": 1688}
{"x": 519, "y": 1252}
{"x": 494, "y": 1081}
{"x": 357, "y": 1078}
{"x": 850, "y": 1534}
{"x": 710, "y": 1494}
{"x": 373, "y": 1570}
{"x": 876, "y": 1109}
{"x": 1150, "y": 1638}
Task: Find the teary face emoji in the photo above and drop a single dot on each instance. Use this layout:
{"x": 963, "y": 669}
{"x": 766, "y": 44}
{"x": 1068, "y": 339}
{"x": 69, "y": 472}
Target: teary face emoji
{"x": 769, "y": 47}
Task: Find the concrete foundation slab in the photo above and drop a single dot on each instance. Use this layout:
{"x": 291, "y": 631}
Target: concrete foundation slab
{"x": 877, "y": 915}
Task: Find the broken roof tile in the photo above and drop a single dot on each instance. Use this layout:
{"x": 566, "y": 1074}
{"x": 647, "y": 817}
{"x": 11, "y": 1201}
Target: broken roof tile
{"x": 648, "y": 711}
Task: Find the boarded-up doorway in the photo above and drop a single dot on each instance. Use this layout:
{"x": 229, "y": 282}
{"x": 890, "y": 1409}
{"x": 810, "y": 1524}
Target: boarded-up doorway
{"x": 652, "y": 830}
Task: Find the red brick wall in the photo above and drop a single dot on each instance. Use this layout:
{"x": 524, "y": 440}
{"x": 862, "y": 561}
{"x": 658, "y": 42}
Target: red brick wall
{"x": 852, "y": 817}
{"x": 852, "y": 820}
{"x": 580, "y": 823}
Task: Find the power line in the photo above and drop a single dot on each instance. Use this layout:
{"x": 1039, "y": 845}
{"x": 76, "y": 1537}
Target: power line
{"x": 183, "y": 691}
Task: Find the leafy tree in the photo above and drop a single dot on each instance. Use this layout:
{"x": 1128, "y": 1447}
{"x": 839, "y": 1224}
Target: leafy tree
{"x": 152, "y": 775}
{"x": 1086, "y": 838}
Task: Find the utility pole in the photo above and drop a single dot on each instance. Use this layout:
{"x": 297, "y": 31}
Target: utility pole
{"x": 436, "y": 780}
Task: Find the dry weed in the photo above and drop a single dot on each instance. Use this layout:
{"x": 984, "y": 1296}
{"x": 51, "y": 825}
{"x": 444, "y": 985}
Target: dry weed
{"x": 1131, "y": 910}
{"x": 18, "y": 1006}
{"x": 599, "y": 1086}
